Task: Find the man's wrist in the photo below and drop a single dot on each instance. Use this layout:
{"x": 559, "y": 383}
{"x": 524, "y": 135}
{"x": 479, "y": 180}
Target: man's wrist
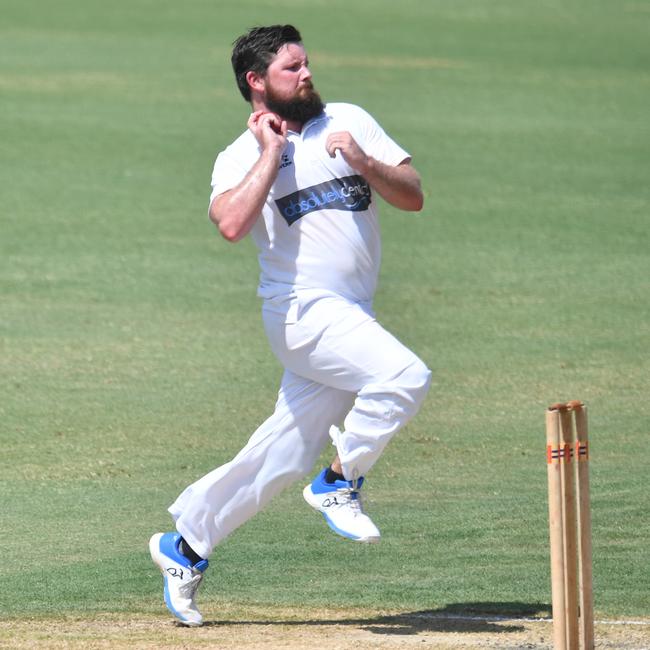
{"x": 369, "y": 167}
{"x": 272, "y": 154}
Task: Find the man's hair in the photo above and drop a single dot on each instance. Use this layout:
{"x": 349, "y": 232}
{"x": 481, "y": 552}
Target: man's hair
{"x": 254, "y": 51}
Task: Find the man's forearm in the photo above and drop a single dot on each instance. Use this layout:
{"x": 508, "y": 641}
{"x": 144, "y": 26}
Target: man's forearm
{"x": 236, "y": 211}
{"x": 398, "y": 185}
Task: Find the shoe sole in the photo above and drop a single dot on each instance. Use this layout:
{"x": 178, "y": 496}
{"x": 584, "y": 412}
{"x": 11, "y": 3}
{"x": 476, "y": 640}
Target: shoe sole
{"x": 154, "y": 551}
{"x": 307, "y": 494}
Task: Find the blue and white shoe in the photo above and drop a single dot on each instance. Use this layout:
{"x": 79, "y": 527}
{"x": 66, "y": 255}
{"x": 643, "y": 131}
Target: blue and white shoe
{"x": 340, "y": 504}
{"x": 181, "y": 578}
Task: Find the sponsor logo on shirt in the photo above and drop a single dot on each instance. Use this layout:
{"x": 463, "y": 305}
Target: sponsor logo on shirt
{"x": 351, "y": 193}
{"x": 286, "y": 161}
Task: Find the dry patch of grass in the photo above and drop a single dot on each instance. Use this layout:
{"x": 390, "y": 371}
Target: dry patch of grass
{"x": 295, "y": 630}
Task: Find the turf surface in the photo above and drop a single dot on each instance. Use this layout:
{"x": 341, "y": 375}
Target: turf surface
{"x": 132, "y": 357}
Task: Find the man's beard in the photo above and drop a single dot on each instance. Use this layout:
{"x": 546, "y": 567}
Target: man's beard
{"x": 300, "y": 108}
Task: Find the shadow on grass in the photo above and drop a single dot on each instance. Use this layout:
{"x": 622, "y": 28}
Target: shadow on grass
{"x": 458, "y": 617}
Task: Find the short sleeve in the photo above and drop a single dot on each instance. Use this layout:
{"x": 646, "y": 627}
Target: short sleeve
{"x": 226, "y": 174}
{"x": 377, "y": 143}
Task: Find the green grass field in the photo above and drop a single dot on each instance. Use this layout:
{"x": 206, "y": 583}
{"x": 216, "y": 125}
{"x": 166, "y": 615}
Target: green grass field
{"x": 132, "y": 356}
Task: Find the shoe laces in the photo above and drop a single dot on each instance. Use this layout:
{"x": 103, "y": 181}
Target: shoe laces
{"x": 188, "y": 589}
{"x": 351, "y": 498}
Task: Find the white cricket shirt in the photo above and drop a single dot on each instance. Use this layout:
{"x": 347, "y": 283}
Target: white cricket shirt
{"x": 318, "y": 229}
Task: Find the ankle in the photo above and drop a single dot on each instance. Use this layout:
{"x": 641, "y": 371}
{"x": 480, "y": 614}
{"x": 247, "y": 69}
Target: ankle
{"x": 189, "y": 552}
{"x": 331, "y": 476}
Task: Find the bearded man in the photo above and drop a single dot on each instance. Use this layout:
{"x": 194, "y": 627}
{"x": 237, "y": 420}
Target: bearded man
{"x": 302, "y": 180}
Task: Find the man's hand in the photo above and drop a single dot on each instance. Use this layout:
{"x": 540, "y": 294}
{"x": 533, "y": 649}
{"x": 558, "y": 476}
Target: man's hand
{"x": 399, "y": 185}
{"x": 269, "y": 130}
{"x": 235, "y": 212}
{"x": 352, "y": 153}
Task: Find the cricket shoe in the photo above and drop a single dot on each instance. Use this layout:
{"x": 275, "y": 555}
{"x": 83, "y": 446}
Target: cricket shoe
{"x": 181, "y": 578}
{"x": 340, "y": 504}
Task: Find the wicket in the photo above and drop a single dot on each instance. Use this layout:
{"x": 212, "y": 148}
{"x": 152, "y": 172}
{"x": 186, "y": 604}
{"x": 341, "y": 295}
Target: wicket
{"x": 570, "y": 525}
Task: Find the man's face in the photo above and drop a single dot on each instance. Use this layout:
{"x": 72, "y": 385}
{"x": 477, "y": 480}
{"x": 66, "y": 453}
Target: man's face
{"x": 289, "y": 91}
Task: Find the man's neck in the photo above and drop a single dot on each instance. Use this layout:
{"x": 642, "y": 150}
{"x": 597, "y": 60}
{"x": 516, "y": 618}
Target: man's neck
{"x": 296, "y": 127}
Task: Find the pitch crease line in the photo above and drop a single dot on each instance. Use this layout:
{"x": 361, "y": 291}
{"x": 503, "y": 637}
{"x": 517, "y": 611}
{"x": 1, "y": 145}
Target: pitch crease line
{"x": 497, "y": 618}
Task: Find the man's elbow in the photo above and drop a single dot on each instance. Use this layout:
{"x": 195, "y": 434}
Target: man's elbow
{"x": 224, "y": 226}
{"x": 227, "y": 229}
{"x": 415, "y": 202}
{"x": 230, "y": 234}
{"x": 412, "y": 196}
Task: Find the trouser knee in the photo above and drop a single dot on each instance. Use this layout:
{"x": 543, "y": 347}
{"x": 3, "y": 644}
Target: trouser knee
{"x": 411, "y": 387}
{"x": 380, "y": 410}
{"x": 394, "y": 401}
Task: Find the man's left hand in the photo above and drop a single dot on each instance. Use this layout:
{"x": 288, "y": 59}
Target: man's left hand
{"x": 352, "y": 153}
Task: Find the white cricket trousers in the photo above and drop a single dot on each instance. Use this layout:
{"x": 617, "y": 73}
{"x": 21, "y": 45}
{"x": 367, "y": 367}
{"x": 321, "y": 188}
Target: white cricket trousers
{"x": 341, "y": 366}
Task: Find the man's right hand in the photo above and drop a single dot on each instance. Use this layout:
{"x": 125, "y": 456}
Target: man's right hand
{"x": 269, "y": 129}
{"x": 235, "y": 212}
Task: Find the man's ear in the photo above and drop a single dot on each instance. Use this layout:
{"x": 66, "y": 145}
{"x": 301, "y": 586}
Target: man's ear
{"x": 255, "y": 81}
